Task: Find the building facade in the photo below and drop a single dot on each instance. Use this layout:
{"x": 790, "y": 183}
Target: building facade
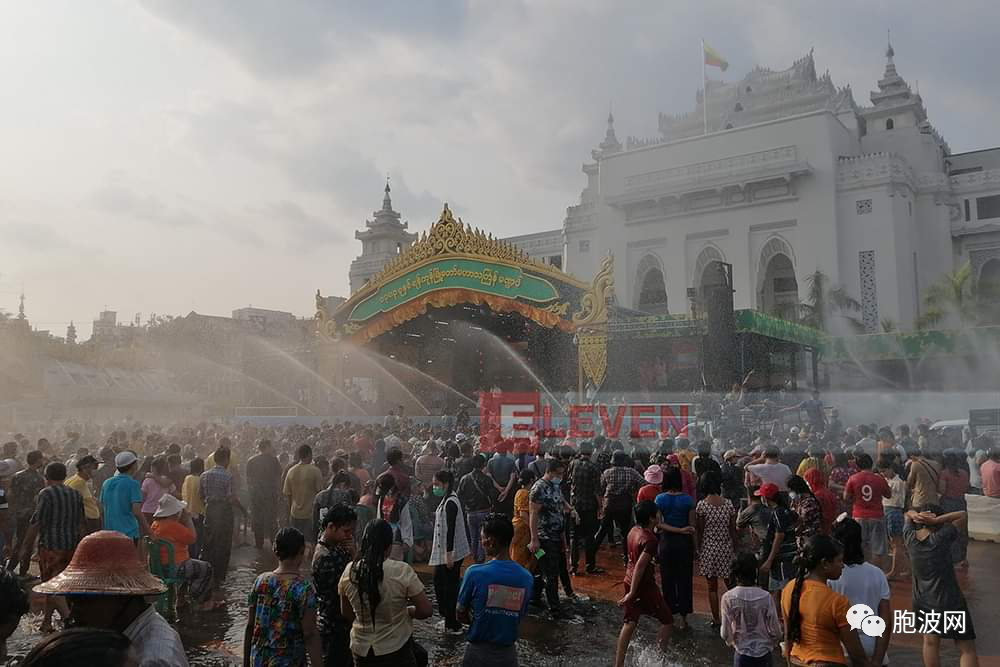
{"x": 383, "y": 238}
{"x": 781, "y": 176}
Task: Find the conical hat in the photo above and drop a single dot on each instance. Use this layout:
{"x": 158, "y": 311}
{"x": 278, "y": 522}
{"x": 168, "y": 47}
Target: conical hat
{"x": 105, "y": 563}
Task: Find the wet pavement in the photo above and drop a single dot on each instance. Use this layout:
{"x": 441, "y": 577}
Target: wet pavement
{"x": 214, "y": 638}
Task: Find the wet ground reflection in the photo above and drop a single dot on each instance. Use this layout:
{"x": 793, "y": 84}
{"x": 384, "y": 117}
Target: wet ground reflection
{"x": 215, "y": 638}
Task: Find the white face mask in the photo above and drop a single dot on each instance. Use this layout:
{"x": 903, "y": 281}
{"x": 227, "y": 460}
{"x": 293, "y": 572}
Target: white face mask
{"x": 793, "y": 495}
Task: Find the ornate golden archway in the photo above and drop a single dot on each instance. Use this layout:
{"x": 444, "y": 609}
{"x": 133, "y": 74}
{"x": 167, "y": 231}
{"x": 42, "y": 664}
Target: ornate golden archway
{"x": 454, "y": 264}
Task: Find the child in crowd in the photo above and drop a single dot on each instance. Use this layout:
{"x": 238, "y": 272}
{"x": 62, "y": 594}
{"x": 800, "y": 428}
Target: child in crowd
{"x": 642, "y": 595}
{"x": 894, "y": 507}
{"x": 749, "y": 619}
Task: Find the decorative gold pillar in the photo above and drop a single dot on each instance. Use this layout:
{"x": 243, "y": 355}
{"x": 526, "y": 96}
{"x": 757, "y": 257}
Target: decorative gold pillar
{"x": 592, "y": 328}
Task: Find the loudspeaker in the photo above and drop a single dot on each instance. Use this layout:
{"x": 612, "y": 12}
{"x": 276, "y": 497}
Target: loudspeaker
{"x": 720, "y": 342}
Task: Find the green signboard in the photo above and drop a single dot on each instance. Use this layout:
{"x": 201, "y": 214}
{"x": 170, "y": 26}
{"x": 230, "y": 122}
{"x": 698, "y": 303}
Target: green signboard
{"x": 486, "y": 277}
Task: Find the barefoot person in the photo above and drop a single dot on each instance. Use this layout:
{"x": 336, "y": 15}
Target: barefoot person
{"x": 642, "y": 596}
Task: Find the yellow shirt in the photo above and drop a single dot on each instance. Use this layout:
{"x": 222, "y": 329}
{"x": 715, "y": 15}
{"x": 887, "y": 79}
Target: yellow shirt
{"x": 824, "y": 613}
{"x": 91, "y": 509}
{"x": 234, "y": 463}
{"x": 392, "y": 626}
{"x": 189, "y": 494}
{"x": 302, "y": 483}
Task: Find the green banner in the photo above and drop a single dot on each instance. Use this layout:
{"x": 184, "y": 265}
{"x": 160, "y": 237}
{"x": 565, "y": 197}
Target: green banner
{"x": 487, "y": 277}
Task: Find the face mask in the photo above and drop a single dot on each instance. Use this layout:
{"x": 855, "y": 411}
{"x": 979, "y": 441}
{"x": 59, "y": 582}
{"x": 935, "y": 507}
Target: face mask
{"x": 438, "y": 491}
{"x": 793, "y": 495}
{"x": 556, "y": 482}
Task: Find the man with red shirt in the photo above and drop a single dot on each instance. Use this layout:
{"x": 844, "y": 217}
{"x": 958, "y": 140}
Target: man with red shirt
{"x": 642, "y": 595}
{"x": 864, "y": 493}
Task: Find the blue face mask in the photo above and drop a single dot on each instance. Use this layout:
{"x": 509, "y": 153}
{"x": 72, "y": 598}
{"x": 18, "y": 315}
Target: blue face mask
{"x": 556, "y": 483}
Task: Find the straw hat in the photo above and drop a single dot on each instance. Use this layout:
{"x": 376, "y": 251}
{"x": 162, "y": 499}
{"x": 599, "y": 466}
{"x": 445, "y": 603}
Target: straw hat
{"x": 105, "y": 563}
{"x": 168, "y": 506}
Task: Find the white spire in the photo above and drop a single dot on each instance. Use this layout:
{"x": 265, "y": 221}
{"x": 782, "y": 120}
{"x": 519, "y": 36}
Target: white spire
{"x": 387, "y": 201}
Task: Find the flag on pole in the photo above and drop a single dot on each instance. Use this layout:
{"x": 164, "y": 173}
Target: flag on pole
{"x": 713, "y": 59}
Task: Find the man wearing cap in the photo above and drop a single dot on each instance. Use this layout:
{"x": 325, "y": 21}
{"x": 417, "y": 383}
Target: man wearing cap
{"x": 80, "y": 482}
{"x": 106, "y": 586}
{"x": 121, "y": 498}
{"x": 779, "y": 545}
{"x": 173, "y": 524}
{"x": 58, "y": 523}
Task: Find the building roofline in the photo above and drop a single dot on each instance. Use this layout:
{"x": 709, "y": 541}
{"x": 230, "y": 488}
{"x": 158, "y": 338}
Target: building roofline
{"x": 741, "y": 128}
{"x": 978, "y": 150}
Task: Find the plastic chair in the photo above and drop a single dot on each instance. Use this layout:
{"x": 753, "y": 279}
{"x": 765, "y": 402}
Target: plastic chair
{"x": 166, "y": 602}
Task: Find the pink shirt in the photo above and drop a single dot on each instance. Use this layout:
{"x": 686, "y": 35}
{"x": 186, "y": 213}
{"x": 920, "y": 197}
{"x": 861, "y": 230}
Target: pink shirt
{"x": 151, "y": 494}
{"x": 990, "y": 470}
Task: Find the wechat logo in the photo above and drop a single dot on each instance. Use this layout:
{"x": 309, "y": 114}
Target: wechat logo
{"x": 861, "y": 617}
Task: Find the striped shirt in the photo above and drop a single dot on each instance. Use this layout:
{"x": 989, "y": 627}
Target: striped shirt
{"x": 58, "y": 514}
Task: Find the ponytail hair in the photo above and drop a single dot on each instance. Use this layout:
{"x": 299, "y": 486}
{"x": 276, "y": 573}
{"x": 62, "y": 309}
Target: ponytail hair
{"x": 366, "y": 570}
{"x": 818, "y": 549}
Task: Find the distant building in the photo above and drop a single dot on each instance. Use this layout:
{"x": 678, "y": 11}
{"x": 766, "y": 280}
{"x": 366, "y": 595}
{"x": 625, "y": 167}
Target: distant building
{"x": 384, "y": 237}
{"x": 262, "y": 318}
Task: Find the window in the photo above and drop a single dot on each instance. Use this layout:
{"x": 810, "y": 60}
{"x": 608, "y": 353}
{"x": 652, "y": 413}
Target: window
{"x": 863, "y": 206}
{"x": 739, "y": 107}
{"x": 556, "y": 261}
{"x": 584, "y": 246}
{"x": 909, "y": 206}
{"x": 967, "y": 217}
{"x": 988, "y": 207}
{"x": 888, "y": 124}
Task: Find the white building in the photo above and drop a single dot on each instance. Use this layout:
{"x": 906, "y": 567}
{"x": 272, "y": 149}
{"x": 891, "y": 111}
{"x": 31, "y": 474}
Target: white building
{"x": 791, "y": 177}
{"x": 783, "y": 176}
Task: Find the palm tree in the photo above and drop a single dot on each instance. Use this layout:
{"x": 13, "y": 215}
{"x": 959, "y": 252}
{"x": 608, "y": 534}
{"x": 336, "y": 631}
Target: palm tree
{"x": 823, "y": 303}
{"x": 953, "y": 295}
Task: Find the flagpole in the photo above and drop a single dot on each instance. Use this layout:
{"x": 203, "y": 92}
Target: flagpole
{"x": 704, "y": 94}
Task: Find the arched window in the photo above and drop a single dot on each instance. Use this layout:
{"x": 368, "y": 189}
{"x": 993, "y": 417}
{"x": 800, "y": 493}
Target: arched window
{"x": 778, "y": 290}
{"x": 888, "y": 124}
{"x": 729, "y": 126}
{"x": 738, "y": 107}
{"x": 652, "y": 289}
{"x": 653, "y": 295}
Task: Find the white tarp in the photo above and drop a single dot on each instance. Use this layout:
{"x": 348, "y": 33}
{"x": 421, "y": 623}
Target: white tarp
{"x": 984, "y": 517}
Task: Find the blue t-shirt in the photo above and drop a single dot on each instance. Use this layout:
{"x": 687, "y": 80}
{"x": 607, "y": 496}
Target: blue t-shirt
{"x": 496, "y": 594}
{"x": 675, "y": 509}
{"x": 117, "y": 495}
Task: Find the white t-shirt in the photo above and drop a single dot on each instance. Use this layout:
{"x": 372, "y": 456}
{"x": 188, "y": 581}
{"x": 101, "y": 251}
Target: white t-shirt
{"x": 864, "y": 584}
{"x": 868, "y": 446}
{"x": 774, "y": 473}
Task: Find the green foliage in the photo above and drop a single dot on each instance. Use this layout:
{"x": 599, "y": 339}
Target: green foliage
{"x": 823, "y": 303}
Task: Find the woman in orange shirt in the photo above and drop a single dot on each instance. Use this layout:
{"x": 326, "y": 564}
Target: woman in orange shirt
{"x": 817, "y": 623}
{"x": 172, "y": 523}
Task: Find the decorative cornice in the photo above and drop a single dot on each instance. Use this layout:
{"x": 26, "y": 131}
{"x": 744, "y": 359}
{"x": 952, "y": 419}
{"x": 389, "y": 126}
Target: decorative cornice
{"x": 874, "y": 169}
{"x": 976, "y": 181}
{"x": 735, "y": 168}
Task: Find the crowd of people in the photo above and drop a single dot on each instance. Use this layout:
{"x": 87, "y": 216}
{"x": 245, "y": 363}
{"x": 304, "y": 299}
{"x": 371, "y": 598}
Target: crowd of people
{"x": 789, "y": 528}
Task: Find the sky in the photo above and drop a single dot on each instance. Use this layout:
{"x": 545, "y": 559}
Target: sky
{"x": 165, "y": 156}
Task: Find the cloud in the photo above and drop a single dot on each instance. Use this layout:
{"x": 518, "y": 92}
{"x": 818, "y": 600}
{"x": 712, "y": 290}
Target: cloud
{"x": 122, "y": 201}
{"x": 34, "y": 237}
{"x": 296, "y": 39}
